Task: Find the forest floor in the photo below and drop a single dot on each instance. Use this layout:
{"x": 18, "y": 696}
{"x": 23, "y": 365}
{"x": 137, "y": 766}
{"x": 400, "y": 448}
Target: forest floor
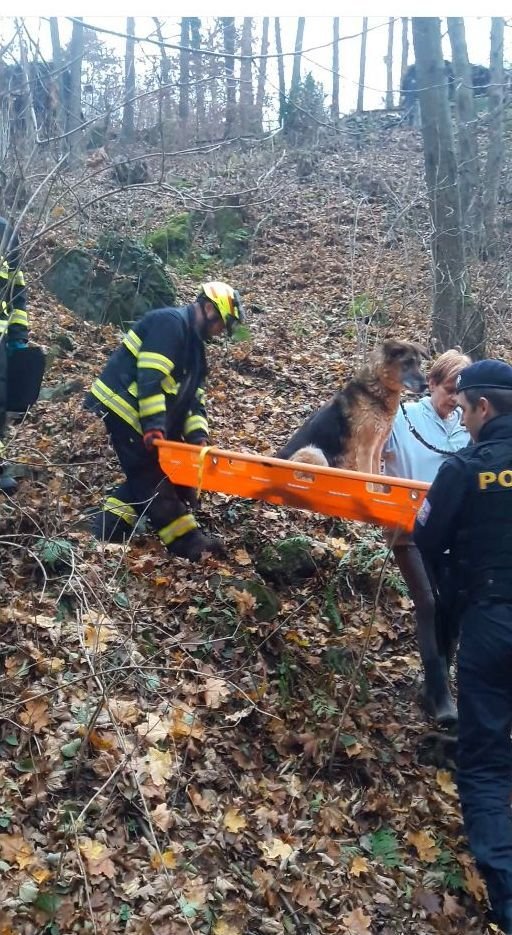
{"x": 169, "y": 762}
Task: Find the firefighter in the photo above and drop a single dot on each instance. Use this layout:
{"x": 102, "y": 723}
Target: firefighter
{"x": 153, "y": 388}
{"x": 13, "y": 327}
{"x": 468, "y": 511}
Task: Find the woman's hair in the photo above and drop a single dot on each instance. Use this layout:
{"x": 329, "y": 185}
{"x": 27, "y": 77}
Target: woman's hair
{"x": 448, "y": 365}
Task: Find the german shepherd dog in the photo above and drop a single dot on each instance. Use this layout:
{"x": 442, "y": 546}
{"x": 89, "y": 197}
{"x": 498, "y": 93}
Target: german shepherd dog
{"x": 349, "y": 431}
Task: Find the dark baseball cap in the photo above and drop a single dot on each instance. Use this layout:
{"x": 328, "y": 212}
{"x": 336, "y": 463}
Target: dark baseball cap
{"x": 490, "y": 374}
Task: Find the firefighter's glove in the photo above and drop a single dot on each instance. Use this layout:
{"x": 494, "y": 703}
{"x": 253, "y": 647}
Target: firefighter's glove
{"x": 150, "y": 438}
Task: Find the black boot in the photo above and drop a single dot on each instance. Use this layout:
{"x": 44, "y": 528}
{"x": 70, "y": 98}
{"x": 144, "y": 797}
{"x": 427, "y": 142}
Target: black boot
{"x": 7, "y": 483}
{"x": 436, "y": 696}
{"x": 107, "y": 527}
{"x": 194, "y": 545}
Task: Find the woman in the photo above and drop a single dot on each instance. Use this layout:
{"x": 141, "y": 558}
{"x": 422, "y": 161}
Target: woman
{"x": 424, "y": 434}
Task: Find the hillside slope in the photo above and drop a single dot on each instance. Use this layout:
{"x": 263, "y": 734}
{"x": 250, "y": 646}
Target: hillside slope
{"x": 167, "y": 739}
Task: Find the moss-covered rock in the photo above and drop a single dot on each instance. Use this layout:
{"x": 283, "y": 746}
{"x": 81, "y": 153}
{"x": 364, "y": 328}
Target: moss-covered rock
{"x": 288, "y": 561}
{"x": 173, "y": 239}
{"x": 233, "y": 236}
{"x": 227, "y": 220}
{"x": 267, "y": 602}
{"x": 117, "y": 281}
{"x": 235, "y": 245}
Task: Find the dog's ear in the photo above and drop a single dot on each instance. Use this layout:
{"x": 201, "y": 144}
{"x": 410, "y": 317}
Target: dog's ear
{"x": 422, "y": 351}
{"x": 391, "y": 347}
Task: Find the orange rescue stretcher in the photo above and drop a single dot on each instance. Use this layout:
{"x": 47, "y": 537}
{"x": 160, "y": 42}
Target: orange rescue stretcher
{"x": 369, "y": 498}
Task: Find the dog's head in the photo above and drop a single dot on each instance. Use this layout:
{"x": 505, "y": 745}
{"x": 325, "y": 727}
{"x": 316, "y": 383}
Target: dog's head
{"x": 401, "y": 362}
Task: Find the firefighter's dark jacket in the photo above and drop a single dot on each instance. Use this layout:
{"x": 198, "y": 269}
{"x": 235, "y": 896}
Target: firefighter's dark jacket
{"x": 468, "y": 510}
{"x": 155, "y": 379}
{"x": 13, "y": 299}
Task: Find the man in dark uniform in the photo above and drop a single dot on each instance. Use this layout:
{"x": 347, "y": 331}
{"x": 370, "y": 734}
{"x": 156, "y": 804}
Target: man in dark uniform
{"x": 468, "y": 510}
{"x": 13, "y": 326}
{"x": 153, "y": 388}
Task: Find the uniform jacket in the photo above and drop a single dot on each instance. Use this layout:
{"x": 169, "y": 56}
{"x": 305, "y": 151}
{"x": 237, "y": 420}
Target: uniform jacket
{"x": 468, "y": 510}
{"x": 155, "y": 379}
{"x": 13, "y": 302}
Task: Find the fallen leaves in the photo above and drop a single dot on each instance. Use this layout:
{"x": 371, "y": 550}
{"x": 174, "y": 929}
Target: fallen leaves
{"x": 445, "y": 782}
{"x": 124, "y": 711}
{"x": 15, "y": 850}
{"x": 356, "y": 922}
{"x": 185, "y": 722}
{"x": 425, "y": 845}
{"x": 216, "y": 691}
{"x": 277, "y": 849}
{"x": 35, "y": 715}
{"x": 154, "y": 728}
{"x": 162, "y": 817}
{"x": 358, "y": 866}
{"x": 160, "y": 765}
{"x": 233, "y": 821}
{"x": 97, "y": 858}
{"x": 223, "y": 928}
{"x": 199, "y": 725}
{"x": 98, "y": 636}
{"x": 474, "y": 884}
{"x": 242, "y": 557}
{"x": 165, "y": 859}
{"x": 244, "y": 600}
{"x": 427, "y": 900}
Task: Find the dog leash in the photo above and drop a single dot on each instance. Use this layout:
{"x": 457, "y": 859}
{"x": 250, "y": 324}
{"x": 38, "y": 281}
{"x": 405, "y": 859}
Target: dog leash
{"x": 419, "y": 438}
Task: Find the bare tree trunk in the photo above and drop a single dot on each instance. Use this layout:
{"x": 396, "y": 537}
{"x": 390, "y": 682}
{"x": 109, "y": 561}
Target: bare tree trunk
{"x": 128, "y": 125}
{"x": 280, "y": 71}
{"x": 299, "y": 38}
{"x": 335, "y": 105}
{"x": 228, "y": 25}
{"x": 455, "y": 319}
{"x": 469, "y": 169}
{"x": 362, "y": 65}
{"x": 295, "y": 83}
{"x": 28, "y": 122}
{"x": 495, "y": 149}
{"x": 184, "y": 103}
{"x": 246, "y": 98}
{"x": 389, "y": 65}
{"x": 76, "y": 52}
{"x": 197, "y": 62}
{"x": 405, "y": 47}
{"x": 58, "y": 62}
{"x": 165, "y": 70}
{"x": 213, "y": 70}
{"x": 262, "y": 75}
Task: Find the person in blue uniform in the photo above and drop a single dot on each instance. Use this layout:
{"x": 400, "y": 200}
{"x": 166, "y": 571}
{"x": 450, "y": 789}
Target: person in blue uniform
{"x": 468, "y": 511}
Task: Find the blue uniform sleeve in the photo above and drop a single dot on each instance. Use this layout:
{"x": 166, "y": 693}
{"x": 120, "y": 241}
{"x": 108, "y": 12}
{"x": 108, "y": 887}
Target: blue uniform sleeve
{"x": 162, "y": 346}
{"x": 439, "y": 515}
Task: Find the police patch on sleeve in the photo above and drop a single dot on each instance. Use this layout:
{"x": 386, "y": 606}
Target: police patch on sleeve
{"x": 423, "y": 512}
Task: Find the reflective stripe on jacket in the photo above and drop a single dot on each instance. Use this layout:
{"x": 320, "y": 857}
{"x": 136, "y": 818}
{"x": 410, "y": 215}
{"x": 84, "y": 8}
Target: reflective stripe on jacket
{"x": 13, "y": 297}
{"x": 155, "y": 379}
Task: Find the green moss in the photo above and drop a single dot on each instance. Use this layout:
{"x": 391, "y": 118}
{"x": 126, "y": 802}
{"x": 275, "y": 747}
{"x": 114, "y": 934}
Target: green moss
{"x": 226, "y": 221}
{"x": 235, "y": 245}
{"x": 173, "y": 239}
{"x": 287, "y": 561}
{"x": 116, "y": 282}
